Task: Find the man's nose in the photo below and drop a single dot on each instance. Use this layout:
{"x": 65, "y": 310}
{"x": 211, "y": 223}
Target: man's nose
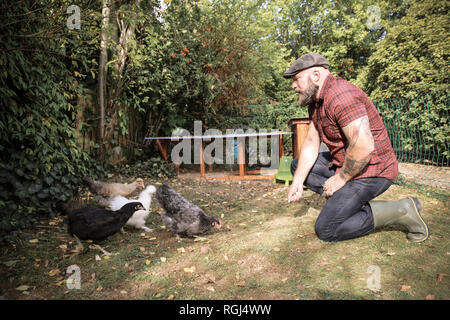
{"x": 294, "y": 85}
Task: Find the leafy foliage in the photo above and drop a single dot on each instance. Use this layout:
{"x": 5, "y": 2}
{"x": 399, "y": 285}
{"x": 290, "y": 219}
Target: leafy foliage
{"x": 151, "y": 168}
{"x": 41, "y": 162}
{"x": 413, "y": 57}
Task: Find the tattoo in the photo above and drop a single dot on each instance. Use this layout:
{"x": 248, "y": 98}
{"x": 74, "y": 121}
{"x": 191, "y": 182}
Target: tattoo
{"x": 357, "y": 133}
{"x": 352, "y": 167}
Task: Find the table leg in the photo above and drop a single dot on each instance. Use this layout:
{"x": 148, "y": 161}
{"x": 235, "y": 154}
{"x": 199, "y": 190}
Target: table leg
{"x": 241, "y": 160}
{"x": 162, "y": 146}
{"x": 280, "y": 146}
{"x": 202, "y": 161}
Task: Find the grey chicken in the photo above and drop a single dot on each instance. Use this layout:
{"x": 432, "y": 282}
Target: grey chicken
{"x": 182, "y": 217}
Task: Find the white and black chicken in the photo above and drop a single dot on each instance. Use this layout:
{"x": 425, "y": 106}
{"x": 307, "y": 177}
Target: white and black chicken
{"x": 137, "y": 220}
{"x": 182, "y": 217}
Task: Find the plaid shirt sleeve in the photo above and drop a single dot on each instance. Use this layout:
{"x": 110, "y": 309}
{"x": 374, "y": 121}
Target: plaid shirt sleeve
{"x": 347, "y": 109}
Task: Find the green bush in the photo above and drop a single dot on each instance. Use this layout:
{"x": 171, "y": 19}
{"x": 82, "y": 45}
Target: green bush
{"x": 41, "y": 163}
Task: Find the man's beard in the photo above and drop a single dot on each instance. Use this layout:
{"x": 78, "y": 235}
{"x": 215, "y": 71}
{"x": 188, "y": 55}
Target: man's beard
{"x": 306, "y": 97}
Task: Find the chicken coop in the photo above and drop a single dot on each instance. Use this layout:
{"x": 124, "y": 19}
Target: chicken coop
{"x": 299, "y": 127}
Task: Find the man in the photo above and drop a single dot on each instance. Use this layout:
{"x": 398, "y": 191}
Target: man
{"x": 360, "y": 165}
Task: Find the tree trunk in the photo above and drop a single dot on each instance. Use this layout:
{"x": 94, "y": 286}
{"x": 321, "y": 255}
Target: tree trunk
{"x": 127, "y": 31}
{"x": 102, "y": 75}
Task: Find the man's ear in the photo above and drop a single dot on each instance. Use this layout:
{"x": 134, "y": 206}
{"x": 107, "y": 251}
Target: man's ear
{"x": 315, "y": 76}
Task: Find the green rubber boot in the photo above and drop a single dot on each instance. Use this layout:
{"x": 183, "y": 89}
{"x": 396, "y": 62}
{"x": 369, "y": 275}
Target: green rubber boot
{"x": 405, "y": 212}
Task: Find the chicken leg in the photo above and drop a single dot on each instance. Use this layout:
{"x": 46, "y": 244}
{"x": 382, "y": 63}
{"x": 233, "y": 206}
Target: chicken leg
{"x": 79, "y": 247}
{"x": 106, "y": 253}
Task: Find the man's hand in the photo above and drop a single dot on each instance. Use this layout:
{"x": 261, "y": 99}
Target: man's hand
{"x": 333, "y": 184}
{"x": 295, "y": 191}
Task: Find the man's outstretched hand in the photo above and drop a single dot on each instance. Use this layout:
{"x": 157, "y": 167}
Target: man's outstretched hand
{"x": 295, "y": 191}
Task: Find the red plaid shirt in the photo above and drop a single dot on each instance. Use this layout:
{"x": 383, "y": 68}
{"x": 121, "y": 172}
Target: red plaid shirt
{"x": 340, "y": 103}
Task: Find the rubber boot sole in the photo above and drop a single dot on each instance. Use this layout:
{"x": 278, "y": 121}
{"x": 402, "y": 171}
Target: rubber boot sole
{"x": 418, "y": 209}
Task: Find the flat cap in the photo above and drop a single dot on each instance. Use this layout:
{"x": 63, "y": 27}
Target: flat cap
{"x": 304, "y": 62}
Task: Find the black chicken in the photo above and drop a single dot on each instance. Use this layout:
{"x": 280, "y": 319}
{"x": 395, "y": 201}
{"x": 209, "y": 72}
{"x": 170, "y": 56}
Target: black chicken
{"x": 182, "y": 217}
{"x": 97, "y": 224}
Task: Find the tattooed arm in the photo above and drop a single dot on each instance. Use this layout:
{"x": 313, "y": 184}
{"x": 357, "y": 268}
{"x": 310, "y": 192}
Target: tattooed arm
{"x": 360, "y": 147}
{"x": 357, "y": 156}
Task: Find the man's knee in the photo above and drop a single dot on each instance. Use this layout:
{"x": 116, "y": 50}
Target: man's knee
{"x": 323, "y": 231}
{"x": 294, "y": 164}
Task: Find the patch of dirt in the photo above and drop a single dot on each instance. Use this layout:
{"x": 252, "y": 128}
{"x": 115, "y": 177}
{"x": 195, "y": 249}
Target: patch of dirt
{"x": 433, "y": 176}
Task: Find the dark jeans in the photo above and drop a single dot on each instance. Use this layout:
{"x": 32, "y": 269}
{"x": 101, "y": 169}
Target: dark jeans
{"x": 346, "y": 214}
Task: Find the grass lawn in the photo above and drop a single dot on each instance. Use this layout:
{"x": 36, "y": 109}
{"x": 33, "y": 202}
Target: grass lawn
{"x": 266, "y": 249}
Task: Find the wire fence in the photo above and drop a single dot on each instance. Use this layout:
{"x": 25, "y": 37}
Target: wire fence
{"x": 418, "y": 128}
{"x": 419, "y": 132}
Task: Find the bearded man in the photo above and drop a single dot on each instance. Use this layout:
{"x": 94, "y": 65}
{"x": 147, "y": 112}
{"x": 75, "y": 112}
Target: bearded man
{"x": 360, "y": 164}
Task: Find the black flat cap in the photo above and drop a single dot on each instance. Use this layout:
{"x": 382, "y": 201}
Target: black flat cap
{"x": 304, "y": 62}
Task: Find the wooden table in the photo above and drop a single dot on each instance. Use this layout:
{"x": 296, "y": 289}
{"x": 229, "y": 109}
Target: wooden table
{"x": 163, "y": 142}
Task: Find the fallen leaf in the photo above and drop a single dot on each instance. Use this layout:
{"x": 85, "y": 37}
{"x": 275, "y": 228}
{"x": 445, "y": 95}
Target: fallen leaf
{"x": 142, "y": 249}
{"x": 241, "y": 284}
{"x": 97, "y": 257}
{"x": 23, "y": 288}
{"x": 210, "y": 289}
{"x": 284, "y": 279}
{"x": 390, "y": 254}
{"x": 170, "y": 297}
{"x": 429, "y": 297}
{"x": 106, "y": 257}
{"x": 147, "y": 262}
{"x": 163, "y": 259}
{"x": 123, "y": 292}
{"x": 441, "y": 276}
{"x": 225, "y": 257}
{"x": 54, "y": 272}
{"x": 300, "y": 287}
{"x": 211, "y": 279}
{"x": 189, "y": 270}
{"x": 405, "y": 288}
{"x": 181, "y": 250}
{"x": 33, "y": 241}
{"x": 61, "y": 283}
{"x": 197, "y": 239}
{"x": 323, "y": 263}
{"x": 276, "y": 249}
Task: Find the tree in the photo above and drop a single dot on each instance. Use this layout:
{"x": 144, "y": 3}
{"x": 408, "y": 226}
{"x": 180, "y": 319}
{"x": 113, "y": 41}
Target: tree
{"x": 413, "y": 56}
